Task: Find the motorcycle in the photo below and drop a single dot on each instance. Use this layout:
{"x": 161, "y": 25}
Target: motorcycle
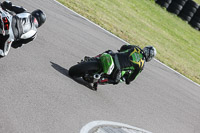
{"x": 6, "y": 32}
{"x": 96, "y": 70}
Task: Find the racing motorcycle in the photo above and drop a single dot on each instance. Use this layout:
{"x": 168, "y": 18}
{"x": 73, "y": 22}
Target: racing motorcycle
{"x": 6, "y": 32}
{"x": 96, "y": 70}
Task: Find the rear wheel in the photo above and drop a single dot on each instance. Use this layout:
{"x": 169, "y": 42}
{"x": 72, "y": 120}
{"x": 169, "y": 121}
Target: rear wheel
{"x": 83, "y": 68}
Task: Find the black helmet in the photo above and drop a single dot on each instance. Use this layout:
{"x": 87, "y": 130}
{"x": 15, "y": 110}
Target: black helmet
{"x": 40, "y": 16}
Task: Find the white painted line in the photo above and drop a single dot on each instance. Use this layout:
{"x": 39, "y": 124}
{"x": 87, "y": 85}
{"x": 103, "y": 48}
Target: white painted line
{"x": 93, "y": 126}
{"x": 177, "y": 72}
{"x": 123, "y": 41}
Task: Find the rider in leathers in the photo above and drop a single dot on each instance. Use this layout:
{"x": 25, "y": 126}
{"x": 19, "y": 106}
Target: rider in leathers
{"x": 24, "y": 24}
{"x": 131, "y": 59}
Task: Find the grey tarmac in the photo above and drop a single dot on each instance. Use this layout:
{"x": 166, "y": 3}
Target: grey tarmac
{"x": 38, "y": 96}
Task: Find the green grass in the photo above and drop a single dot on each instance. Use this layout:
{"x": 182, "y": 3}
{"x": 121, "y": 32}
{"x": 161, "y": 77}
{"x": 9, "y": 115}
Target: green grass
{"x": 197, "y": 1}
{"x": 142, "y": 22}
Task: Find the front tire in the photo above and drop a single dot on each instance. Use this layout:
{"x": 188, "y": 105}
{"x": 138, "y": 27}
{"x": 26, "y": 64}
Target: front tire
{"x": 83, "y": 68}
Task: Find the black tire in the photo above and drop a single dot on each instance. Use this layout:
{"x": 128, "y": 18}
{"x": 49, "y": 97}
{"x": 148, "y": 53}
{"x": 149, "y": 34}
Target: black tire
{"x": 83, "y": 68}
{"x": 197, "y": 13}
{"x": 172, "y": 10}
{"x": 185, "y": 17}
{"x": 198, "y": 10}
{"x": 189, "y": 5}
{"x": 163, "y": 4}
{"x": 194, "y": 24}
{"x": 175, "y": 5}
{"x": 164, "y": 1}
{"x": 187, "y": 13}
{"x": 180, "y": 2}
{"x": 192, "y": 3}
{"x": 196, "y": 19}
{"x": 189, "y": 8}
{"x": 194, "y": 27}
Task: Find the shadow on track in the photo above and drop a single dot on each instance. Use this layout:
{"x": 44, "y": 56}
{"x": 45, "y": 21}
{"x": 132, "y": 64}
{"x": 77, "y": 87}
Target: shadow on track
{"x": 65, "y": 72}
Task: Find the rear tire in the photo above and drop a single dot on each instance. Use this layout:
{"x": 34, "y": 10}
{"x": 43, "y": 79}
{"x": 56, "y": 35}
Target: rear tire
{"x": 83, "y": 68}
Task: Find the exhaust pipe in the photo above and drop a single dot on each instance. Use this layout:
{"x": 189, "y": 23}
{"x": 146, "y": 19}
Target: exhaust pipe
{"x": 96, "y": 77}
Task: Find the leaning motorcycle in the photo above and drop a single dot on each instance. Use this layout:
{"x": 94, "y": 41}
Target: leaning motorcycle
{"x": 6, "y": 32}
{"x": 95, "y": 70}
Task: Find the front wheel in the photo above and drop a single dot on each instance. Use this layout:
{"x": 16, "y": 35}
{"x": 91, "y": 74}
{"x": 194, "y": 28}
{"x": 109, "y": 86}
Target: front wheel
{"x": 83, "y": 68}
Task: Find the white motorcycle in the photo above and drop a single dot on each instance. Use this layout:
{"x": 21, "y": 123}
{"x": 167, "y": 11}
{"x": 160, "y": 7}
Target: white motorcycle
{"x": 6, "y": 32}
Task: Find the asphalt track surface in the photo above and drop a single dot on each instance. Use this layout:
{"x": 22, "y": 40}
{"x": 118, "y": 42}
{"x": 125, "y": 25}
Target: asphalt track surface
{"x": 38, "y": 96}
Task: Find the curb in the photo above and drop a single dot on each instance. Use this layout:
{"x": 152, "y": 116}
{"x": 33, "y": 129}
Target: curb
{"x": 110, "y": 127}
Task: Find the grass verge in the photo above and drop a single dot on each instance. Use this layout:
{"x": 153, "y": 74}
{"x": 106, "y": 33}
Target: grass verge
{"x": 142, "y": 22}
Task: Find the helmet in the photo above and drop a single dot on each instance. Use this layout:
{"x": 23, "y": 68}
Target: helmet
{"x": 149, "y": 53}
{"x": 40, "y": 16}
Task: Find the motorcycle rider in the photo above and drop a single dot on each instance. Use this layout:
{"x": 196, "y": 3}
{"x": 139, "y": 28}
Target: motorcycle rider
{"x": 130, "y": 59}
{"x": 24, "y": 24}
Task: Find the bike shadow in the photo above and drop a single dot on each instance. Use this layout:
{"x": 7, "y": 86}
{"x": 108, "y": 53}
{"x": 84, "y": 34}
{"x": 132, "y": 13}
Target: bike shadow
{"x": 65, "y": 71}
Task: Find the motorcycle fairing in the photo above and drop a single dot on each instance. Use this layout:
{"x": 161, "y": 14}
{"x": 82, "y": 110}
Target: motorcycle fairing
{"x": 107, "y": 63}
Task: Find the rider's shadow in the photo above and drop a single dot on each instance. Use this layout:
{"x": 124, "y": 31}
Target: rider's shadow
{"x": 65, "y": 72}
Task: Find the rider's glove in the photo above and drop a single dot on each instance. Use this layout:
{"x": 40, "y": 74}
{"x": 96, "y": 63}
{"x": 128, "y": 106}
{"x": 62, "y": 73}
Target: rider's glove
{"x": 126, "y": 78}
